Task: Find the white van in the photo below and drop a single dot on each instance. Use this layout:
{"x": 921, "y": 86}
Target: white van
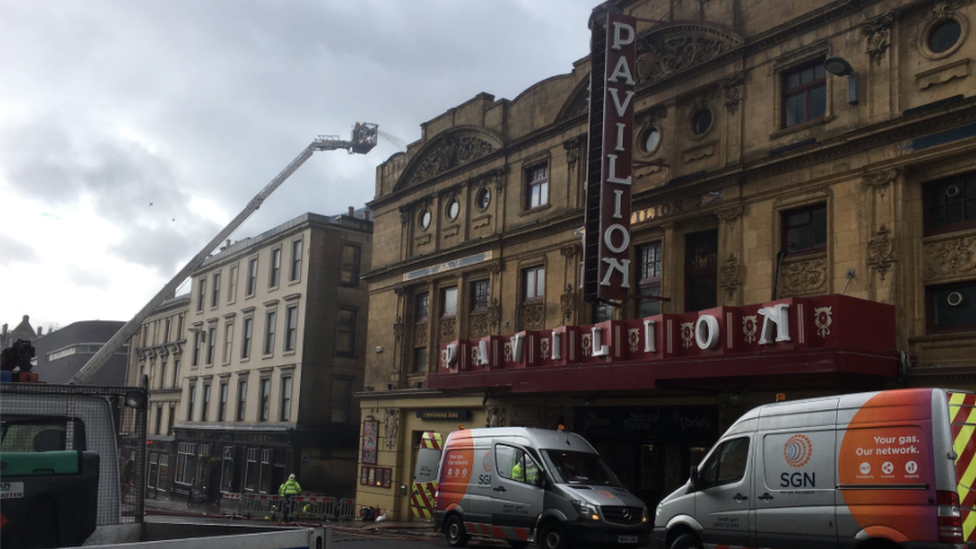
{"x": 523, "y": 485}
{"x": 873, "y": 470}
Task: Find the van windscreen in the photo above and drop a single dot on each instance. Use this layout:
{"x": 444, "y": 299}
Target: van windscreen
{"x": 579, "y": 468}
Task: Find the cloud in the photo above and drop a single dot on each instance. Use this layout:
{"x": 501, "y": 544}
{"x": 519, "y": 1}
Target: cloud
{"x": 15, "y": 251}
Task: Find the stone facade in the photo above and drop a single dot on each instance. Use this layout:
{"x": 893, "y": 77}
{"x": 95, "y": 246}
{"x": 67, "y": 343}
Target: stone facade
{"x": 755, "y": 179}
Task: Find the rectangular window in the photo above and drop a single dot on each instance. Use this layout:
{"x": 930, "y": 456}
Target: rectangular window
{"x": 176, "y": 372}
{"x": 232, "y": 285}
{"x": 197, "y": 344}
{"x": 167, "y": 330}
{"x": 951, "y": 307}
{"x": 275, "y": 267}
{"x": 286, "y": 398}
{"x": 479, "y": 295}
{"x": 950, "y": 204}
{"x": 241, "y": 398}
{"x": 349, "y": 271}
{"x": 211, "y": 343}
{"x": 341, "y": 399}
{"x": 172, "y": 419}
{"x": 421, "y": 309}
{"x": 191, "y": 402}
{"x": 804, "y": 94}
{"x": 162, "y": 374}
{"x": 296, "y": 260}
{"x": 270, "y": 318}
{"x": 345, "y": 341}
{"x": 649, "y": 279}
{"x": 228, "y": 342}
{"x": 534, "y": 280}
{"x": 265, "y": 399}
{"x": 222, "y": 410}
{"x": 201, "y": 293}
{"x": 449, "y": 301}
{"x": 252, "y": 276}
{"x": 246, "y": 337}
{"x": 291, "y": 327}
{"x": 251, "y": 470}
{"x": 215, "y": 292}
{"x": 701, "y": 264}
{"x": 206, "y": 402}
{"x": 536, "y": 186}
{"x": 185, "y": 461}
{"x": 420, "y": 360}
{"x": 159, "y": 419}
{"x": 179, "y": 327}
{"x": 805, "y": 229}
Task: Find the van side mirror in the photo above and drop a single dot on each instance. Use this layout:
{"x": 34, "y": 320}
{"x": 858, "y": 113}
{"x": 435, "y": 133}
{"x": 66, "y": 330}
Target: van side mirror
{"x": 693, "y": 479}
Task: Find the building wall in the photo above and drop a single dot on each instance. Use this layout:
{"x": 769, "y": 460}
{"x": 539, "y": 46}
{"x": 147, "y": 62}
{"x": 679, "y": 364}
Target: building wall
{"x": 867, "y": 165}
{"x": 60, "y": 354}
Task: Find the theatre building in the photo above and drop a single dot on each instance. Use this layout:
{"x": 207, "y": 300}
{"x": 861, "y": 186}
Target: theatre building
{"x": 802, "y": 220}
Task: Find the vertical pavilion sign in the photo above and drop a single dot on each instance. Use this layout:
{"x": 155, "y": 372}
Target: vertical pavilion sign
{"x": 613, "y": 53}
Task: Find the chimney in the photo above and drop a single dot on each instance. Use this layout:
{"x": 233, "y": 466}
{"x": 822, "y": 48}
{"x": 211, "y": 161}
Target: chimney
{"x": 40, "y": 331}
{"x": 352, "y": 211}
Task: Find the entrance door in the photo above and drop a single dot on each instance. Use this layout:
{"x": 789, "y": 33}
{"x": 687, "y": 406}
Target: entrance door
{"x": 701, "y": 268}
{"x": 517, "y": 497}
{"x": 723, "y": 502}
{"x": 794, "y": 493}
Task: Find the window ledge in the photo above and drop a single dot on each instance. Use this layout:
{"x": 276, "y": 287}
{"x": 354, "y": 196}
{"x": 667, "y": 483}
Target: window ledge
{"x": 823, "y": 120}
{"x": 535, "y": 210}
{"x": 941, "y": 337}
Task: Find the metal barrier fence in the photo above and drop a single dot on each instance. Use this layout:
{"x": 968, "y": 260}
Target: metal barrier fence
{"x": 311, "y": 507}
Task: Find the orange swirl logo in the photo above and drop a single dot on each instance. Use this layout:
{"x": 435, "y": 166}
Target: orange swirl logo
{"x": 798, "y": 450}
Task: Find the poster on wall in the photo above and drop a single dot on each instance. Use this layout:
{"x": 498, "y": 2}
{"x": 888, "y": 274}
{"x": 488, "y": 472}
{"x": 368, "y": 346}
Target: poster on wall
{"x": 370, "y": 436}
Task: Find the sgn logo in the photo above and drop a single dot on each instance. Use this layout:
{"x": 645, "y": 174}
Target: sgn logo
{"x": 797, "y": 452}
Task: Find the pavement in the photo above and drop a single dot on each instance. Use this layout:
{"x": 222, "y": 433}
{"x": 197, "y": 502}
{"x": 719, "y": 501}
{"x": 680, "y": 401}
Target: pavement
{"x": 179, "y": 507}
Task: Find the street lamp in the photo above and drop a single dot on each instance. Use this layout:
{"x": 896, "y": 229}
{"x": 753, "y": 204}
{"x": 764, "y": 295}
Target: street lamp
{"x": 839, "y": 66}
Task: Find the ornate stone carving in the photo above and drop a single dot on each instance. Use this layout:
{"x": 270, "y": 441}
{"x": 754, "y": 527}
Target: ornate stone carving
{"x": 731, "y": 215}
{"x": 494, "y": 313}
{"x": 880, "y": 181}
{"x": 478, "y": 325}
{"x": 950, "y": 257}
{"x": 804, "y": 277}
{"x": 405, "y": 214}
{"x": 494, "y": 268}
{"x": 732, "y": 86}
{"x": 572, "y": 147}
{"x": 398, "y": 327}
{"x": 570, "y": 251}
{"x": 495, "y": 416}
{"x": 391, "y": 426}
{"x": 881, "y": 251}
{"x": 729, "y": 273}
{"x": 534, "y": 316}
{"x": 449, "y": 152}
{"x": 448, "y": 329}
{"x": 420, "y": 334}
{"x": 653, "y": 116}
{"x": 663, "y": 53}
{"x": 944, "y": 8}
{"x": 878, "y": 34}
{"x": 567, "y": 301}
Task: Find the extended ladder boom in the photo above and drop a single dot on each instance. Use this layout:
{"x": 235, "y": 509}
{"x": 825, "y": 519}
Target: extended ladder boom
{"x": 363, "y": 140}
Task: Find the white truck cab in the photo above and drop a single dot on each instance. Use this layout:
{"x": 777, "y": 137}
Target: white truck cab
{"x": 522, "y": 485}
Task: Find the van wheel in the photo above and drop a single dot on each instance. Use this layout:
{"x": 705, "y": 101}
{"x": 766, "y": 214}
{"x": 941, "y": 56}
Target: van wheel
{"x": 455, "y": 533}
{"x": 552, "y": 537}
{"x": 686, "y": 541}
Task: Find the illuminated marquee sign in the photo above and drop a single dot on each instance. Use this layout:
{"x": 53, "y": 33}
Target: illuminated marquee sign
{"x": 609, "y": 170}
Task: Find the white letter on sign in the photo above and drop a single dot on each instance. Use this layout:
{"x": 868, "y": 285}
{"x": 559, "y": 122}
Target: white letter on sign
{"x": 624, "y": 235}
{"x": 778, "y": 315}
{"x": 620, "y": 108}
{"x": 517, "y": 347}
{"x": 557, "y": 345}
{"x": 709, "y": 325}
{"x": 599, "y": 349}
{"x": 612, "y": 171}
{"x": 482, "y": 353}
{"x": 623, "y": 34}
{"x": 622, "y": 266}
{"x": 622, "y": 70}
{"x": 650, "y": 340}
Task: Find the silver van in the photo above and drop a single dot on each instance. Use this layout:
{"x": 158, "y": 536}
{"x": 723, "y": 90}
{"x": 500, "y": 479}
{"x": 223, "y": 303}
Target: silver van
{"x": 890, "y": 469}
{"x": 527, "y": 485}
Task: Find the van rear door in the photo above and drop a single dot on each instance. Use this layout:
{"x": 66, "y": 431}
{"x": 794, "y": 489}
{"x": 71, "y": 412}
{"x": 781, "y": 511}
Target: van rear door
{"x": 795, "y": 487}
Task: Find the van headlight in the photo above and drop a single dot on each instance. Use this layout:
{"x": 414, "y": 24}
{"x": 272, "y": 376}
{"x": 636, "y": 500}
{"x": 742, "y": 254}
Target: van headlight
{"x": 644, "y": 517}
{"x": 586, "y": 510}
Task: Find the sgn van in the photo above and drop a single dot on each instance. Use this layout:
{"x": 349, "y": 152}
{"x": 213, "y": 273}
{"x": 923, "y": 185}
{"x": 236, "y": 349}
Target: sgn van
{"x": 881, "y": 470}
{"x": 528, "y": 485}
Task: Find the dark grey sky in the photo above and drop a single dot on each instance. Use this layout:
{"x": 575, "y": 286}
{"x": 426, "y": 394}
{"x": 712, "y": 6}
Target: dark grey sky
{"x": 131, "y": 131}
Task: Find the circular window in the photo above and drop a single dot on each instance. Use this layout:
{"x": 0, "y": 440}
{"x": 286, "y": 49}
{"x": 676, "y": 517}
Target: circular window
{"x": 701, "y": 121}
{"x": 425, "y": 219}
{"x": 651, "y": 140}
{"x": 453, "y": 209}
{"x": 483, "y": 198}
{"x": 944, "y": 35}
